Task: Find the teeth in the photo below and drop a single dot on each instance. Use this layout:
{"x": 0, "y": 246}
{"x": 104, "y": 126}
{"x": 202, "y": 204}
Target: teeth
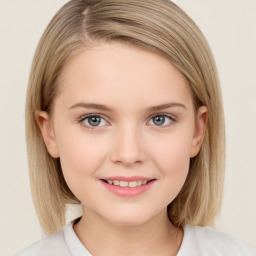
{"x": 140, "y": 182}
{"x": 116, "y": 182}
{"x": 131, "y": 184}
{"x": 124, "y": 183}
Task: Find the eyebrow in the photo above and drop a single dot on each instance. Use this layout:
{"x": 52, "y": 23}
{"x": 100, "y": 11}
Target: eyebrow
{"x": 91, "y": 106}
{"x": 105, "y": 108}
{"x": 167, "y": 105}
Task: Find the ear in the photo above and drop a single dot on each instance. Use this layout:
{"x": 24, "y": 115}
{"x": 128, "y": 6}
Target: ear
{"x": 45, "y": 126}
{"x": 199, "y": 131}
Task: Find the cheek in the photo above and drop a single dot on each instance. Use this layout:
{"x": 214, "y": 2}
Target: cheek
{"x": 175, "y": 155}
{"x": 80, "y": 157}
{"x": 172, "y": 158}
{"x": 173, "y": 164}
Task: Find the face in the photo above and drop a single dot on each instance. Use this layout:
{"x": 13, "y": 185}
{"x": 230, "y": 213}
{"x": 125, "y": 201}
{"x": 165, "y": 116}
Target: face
{"x": 125, "y": 129}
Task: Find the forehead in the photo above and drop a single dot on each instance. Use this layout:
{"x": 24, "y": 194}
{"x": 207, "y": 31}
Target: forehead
{"x": 116, "y": 72}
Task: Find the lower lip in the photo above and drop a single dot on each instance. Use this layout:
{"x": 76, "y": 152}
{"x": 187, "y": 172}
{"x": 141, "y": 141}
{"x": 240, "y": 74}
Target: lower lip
{"x": 127, "y": 191}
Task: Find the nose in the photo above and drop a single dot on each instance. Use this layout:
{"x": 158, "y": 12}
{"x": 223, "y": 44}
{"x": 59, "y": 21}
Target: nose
{"x": 128, "y": 149}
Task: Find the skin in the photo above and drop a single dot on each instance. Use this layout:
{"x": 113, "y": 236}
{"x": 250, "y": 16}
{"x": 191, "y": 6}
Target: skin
{"x": 127, "y": 142}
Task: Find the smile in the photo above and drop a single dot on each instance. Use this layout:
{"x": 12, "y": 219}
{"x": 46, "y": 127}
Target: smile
{"x": 128, "y": 187}
{"x": 130, "y": 184}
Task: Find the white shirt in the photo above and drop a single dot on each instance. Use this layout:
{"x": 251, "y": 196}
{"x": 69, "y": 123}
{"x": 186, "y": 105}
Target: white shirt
{"x": 197, "y": 241}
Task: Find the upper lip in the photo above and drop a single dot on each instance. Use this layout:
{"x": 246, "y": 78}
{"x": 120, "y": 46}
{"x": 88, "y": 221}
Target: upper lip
{"x": 132, "y": 178}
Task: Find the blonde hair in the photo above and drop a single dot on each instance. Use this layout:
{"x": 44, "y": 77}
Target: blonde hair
{"x": 161, "y": 27}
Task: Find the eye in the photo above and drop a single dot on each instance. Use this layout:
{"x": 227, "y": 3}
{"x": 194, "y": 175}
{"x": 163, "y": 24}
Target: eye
{"x": 93, "y": 121}
{"x": 161, "y": 120}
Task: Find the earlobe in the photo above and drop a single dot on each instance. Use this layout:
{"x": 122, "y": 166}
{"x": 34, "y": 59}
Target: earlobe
{"x": 199, "y": 131}
{"x": 45, "y": 126}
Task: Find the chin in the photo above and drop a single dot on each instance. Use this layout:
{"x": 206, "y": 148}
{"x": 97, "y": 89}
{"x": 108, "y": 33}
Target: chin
{"x": 130, "y": 218}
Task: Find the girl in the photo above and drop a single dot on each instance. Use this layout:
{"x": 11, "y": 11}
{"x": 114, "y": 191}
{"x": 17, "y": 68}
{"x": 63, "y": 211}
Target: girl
{"x": 124, "y": 116}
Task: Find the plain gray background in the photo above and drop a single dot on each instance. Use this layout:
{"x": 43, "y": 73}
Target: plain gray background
{"x": 230, "y": 27}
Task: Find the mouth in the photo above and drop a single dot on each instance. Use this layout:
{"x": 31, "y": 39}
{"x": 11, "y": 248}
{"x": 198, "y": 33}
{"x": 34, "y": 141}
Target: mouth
{"x": 130, "y": 184}
{"x": 128, "y": 187}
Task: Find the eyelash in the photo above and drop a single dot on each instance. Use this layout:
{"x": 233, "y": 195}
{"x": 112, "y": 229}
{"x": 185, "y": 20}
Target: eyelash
{"x": 172, "y": 120}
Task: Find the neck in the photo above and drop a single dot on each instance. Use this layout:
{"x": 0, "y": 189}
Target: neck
{"x": 156, "y": 237}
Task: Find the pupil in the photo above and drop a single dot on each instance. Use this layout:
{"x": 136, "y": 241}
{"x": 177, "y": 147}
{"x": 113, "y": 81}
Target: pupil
{"x": 94, "y": 120}
{"x": 159, "y": 120}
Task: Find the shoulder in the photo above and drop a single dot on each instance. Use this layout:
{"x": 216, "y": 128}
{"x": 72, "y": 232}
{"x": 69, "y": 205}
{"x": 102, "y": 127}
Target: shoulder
{"x": 209, "y": 242}
{"x": 52, "y": 245}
